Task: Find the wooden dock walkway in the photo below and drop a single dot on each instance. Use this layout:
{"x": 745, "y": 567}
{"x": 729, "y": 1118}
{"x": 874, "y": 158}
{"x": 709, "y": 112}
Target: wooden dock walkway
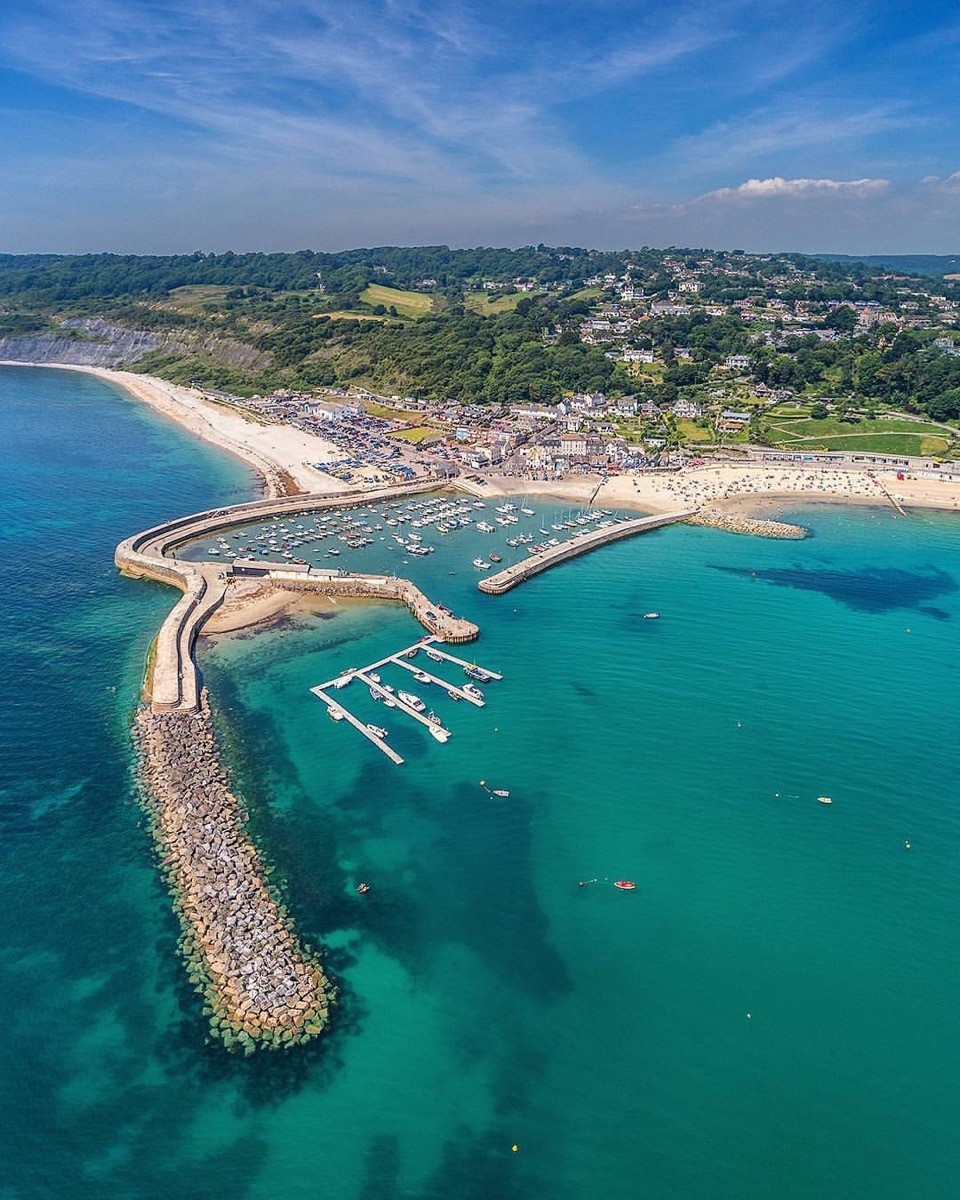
{"x": 503, "y": 581}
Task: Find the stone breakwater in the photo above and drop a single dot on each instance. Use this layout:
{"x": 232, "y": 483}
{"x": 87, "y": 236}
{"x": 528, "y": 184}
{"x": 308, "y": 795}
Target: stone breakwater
{"x": 758, "y": 528}
{"x": 261, "y": 987}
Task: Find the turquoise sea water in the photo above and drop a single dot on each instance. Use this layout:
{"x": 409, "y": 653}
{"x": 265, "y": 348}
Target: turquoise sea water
{"x": 488, "y": 1001}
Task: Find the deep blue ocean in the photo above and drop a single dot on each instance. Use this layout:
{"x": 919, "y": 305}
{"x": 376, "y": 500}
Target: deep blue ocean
{"x": 771, "y": 1013}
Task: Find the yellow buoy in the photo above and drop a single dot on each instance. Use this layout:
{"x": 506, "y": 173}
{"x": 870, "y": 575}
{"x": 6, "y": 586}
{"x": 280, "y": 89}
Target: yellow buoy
{"x": 514, "y": 1148}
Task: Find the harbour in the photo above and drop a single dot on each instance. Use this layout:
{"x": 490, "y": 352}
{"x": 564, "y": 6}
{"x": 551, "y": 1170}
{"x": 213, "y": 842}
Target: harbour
{"x": 620, "y": 1020}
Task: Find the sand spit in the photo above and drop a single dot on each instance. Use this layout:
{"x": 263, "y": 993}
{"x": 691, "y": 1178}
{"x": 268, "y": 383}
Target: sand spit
{"x": 261, "y": 986}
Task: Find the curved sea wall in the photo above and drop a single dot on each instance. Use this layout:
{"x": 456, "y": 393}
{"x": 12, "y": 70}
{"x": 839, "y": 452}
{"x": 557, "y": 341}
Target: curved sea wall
{"x": 261, "y": 986}
{"x": 175, "y": 683}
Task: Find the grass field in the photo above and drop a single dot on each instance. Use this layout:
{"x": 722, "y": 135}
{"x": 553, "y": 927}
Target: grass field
{"x": 407, "y": 304}
{"x": 192, "y": 298}
{"x": 587, "y": 293}
{"x": 690, "y": 431}
{"x": 891, "y": 436}
{"x": 343, "y": 314}
{"x": 876, "y": 443}
{"x": 647, "y": 372}
{"x": 419, "y": 433}
{"x": 480, "y": 302}
{"x": 391, "y": 414}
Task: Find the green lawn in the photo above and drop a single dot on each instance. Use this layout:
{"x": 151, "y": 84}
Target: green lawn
{"x": 916, "y": 444}
{"x": 646, "y": 372}
{"x": 480, "y": 302}
{"x": 407, "y": 304}
{"x": 391, "y": 414}
{"x": 345, "y": 314}
{"x": 690, "y": 431}
{"x": 418, "y": 434}
{"x": 191, "y": 298}
{"x": 896, "y": 435}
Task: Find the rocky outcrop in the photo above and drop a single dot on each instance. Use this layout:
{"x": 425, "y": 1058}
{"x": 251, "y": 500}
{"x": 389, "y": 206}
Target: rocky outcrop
{"x": 733, "y": 523}
{"x": 261, "y": 987}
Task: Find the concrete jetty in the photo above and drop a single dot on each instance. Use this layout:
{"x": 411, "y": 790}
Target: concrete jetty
{"x": 503, "y": 581}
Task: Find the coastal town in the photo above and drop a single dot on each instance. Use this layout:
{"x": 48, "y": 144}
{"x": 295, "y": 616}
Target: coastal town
{"x": 709, "y": 357}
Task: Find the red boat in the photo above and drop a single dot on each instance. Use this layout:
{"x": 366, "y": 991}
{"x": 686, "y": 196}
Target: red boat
{"x": 625, "y": 885}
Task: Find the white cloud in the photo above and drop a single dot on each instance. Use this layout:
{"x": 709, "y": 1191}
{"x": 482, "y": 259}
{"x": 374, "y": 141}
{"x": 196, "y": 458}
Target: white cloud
{"x": 949, "y": 183}
{"x": 779, "y": 188}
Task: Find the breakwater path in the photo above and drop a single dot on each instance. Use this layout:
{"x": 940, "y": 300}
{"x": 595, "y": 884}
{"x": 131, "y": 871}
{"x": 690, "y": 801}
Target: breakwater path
{"x": 261, "y": 987}
{"x": 503, "y": 581}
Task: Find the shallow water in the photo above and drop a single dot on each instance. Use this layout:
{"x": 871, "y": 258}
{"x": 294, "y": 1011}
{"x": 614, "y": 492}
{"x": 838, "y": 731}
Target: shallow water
{"x": 488, "y": 1001}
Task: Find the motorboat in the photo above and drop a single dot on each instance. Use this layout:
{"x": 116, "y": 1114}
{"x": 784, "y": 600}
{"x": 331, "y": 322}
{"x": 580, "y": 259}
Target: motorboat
{"x": 412, "y": 701}
{"x": 422, "y": 677}
{"x": 474, "y": 693}
{"x": 625, "y": 885}
{"x": 439, "y": 733}
{"x": 377, "y": 731}
{"x": 651, "y": 616}
{"x": 434, "y": 655}
{"x": 481, "y": 564}
{"x": 335, "y": 714}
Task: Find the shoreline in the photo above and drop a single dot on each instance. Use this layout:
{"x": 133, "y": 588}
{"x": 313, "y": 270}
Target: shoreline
{"x": 751, "y": 490}
{"x": 282, "y": 457}
{"x": 279, "y": 454}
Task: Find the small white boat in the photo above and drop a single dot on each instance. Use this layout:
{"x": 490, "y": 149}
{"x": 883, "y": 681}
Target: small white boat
{"x": 412, "y": 701}
{"x": 502, "y": 792}
{"x": 434, "y": 655}
{"x": 374, "y": 676}
{"x": 481, "y": 564}
{"x": 377, "y": 731}
{"x": 439, "y": 733}
{"x": 421, "y": 677}
{"x": 334, "y": 713}
{"x": 651, "y": 616}
{"x": 825, "y": 799}
{"x": 474, "y": 693}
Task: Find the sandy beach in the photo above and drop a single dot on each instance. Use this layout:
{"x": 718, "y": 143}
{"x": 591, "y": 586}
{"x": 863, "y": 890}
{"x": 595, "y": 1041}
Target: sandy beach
{"x": 755, "y": 489}
{"x": 283, "y": 456}
{"x": 250, "y": 602}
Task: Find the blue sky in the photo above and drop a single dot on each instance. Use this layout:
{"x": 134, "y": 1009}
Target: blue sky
{"x": 174, "y": 125}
